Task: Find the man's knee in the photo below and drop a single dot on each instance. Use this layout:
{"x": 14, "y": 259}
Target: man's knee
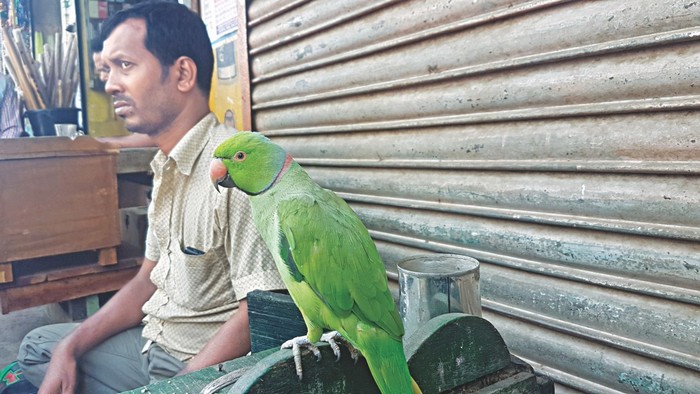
{"x": 38, "y": 344}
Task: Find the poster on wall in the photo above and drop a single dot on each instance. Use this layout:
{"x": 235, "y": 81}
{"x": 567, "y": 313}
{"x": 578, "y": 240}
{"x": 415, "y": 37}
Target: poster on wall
{"x": 229, "y": 99}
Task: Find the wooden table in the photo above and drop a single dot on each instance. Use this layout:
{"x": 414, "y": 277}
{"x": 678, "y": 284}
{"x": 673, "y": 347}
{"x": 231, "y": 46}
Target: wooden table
{"x": 60, "y": 229}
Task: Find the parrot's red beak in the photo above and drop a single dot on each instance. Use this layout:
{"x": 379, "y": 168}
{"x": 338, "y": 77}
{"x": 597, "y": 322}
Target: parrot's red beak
{"x": 218, "y": 174}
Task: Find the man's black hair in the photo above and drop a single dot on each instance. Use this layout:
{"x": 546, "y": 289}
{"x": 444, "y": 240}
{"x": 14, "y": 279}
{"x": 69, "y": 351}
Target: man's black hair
{"x": 172, "y": 30}
{"x": 96, "y": 45}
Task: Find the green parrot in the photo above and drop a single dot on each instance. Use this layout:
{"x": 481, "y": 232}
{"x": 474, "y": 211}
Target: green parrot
{"x": 324, "y": 254}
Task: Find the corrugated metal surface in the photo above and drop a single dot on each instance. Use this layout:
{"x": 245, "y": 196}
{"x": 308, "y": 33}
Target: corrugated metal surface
{"x": 555, "y": 141}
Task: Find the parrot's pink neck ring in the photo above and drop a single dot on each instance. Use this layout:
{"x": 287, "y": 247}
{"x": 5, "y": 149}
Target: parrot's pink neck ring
{"x": 285, "y": 167}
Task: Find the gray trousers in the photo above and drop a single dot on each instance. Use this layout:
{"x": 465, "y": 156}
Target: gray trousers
{"x": 118, "y": 364}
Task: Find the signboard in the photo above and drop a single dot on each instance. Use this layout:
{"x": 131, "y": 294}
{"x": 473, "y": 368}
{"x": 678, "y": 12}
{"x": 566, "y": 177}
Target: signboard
{"x": 230, "y": 95}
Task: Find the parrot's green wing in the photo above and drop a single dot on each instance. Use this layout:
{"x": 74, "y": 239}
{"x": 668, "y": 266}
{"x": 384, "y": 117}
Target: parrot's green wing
{"x": 324, "y": 244}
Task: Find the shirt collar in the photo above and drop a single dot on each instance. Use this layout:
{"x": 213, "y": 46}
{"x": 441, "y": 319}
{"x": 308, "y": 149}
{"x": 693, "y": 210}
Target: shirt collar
{"x": 188, "y": 149}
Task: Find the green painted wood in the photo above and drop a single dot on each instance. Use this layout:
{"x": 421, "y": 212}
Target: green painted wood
{"x": 193, "y": 383}
{"x": 276, "y": 374}
{"x": 448, "y": 352}
{"x": 453, "y": 349}
{"x": 545, "y": 384}
{"x": 92, "y": 304}
{"x": 453, "y": 353}
{"x": 273, "y": 318}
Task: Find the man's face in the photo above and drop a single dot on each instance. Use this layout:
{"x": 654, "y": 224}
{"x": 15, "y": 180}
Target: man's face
{"x": 143, "y": 97}
{"x": 99, "y": 67}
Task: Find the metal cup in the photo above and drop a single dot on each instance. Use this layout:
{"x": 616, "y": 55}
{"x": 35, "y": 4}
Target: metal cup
{"x": 66, "y": 130}
{"x": 432, "y": 285}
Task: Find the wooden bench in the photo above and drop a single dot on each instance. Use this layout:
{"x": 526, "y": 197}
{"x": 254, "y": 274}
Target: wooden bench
{"x": 453, "y": 353}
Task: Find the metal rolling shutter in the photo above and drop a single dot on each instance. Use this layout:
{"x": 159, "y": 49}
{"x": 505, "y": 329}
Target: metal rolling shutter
{"x": 555, "y": 141}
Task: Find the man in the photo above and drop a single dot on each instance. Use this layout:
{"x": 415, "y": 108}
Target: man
{"x": 10, "y": 121}
{"x": 96, "y": 50}
{"x": 203, "y": 253}
{"x": 133, "y": 140}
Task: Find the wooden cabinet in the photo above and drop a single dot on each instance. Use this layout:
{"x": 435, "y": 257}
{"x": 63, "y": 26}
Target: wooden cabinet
{"x": 56, "y": 196}
{"x": 59, "y": 221}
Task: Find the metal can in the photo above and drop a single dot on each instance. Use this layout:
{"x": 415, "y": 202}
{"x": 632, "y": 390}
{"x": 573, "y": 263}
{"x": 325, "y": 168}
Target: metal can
{"x": 435, "y": 284}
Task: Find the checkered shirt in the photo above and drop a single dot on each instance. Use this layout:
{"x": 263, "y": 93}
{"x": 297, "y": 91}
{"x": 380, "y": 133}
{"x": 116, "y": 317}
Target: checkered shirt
{"x": 196, "y": 294}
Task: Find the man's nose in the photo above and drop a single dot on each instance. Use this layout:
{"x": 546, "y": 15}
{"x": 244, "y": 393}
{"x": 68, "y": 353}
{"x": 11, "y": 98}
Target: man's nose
{"x": 112, "y": 84}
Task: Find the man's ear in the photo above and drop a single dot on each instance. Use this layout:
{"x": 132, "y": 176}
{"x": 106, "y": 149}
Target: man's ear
{"x": 186, "y": 73}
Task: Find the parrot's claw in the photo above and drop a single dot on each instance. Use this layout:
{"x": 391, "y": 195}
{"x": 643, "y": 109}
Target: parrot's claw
{"x": 296, "y": 344}
{"x": 333, "y": 338}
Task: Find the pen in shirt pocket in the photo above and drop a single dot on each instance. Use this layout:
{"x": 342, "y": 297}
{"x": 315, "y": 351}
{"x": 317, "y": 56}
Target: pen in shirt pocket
{"x": 192, "y": 251}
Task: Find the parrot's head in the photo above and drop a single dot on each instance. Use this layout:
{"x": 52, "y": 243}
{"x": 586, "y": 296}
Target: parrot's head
{"x": 248, "y": 161}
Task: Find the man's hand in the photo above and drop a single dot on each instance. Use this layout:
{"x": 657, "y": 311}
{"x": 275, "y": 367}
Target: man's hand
{"x": 121, "y": 312}
{"x": 62, "y": 374}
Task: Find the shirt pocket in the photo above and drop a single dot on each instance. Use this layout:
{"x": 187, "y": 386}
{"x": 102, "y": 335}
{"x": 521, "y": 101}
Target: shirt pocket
{"x": 201, "y": 282}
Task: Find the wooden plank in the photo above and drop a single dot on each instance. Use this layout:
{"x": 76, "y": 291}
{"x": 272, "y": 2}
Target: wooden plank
{"x": 17, "y": 298}
{"x": 107, "y": 256}
{"x": 195, "y": 382}
{"x": 276, "y": 374}
{"x": 466, "y": 348}
{"x": 27, "y": 148}
{"x": 60, "y": 272}
{"x": 6, "y": 273}
{"x": 469, "y": 342}
{"x": 57, "y": 205}
{"x": 273, "y": 318}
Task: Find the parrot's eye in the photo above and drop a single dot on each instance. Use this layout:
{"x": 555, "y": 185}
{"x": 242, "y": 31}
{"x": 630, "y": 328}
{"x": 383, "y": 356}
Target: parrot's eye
{"x": 239, "y": 156}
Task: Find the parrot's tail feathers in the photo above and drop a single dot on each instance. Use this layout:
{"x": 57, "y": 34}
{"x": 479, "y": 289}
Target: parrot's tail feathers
{"x": 414, "y": 386}
{"x": 390, "y": 370}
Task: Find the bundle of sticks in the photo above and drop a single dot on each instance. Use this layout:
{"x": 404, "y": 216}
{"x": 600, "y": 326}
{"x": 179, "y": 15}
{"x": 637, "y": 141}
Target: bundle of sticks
{"x": 50, "y": 82}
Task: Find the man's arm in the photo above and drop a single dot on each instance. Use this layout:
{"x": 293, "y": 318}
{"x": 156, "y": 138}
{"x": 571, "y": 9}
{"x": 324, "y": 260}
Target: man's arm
{"x": 121, "y": 312}
{"x": 231, "y": 341}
